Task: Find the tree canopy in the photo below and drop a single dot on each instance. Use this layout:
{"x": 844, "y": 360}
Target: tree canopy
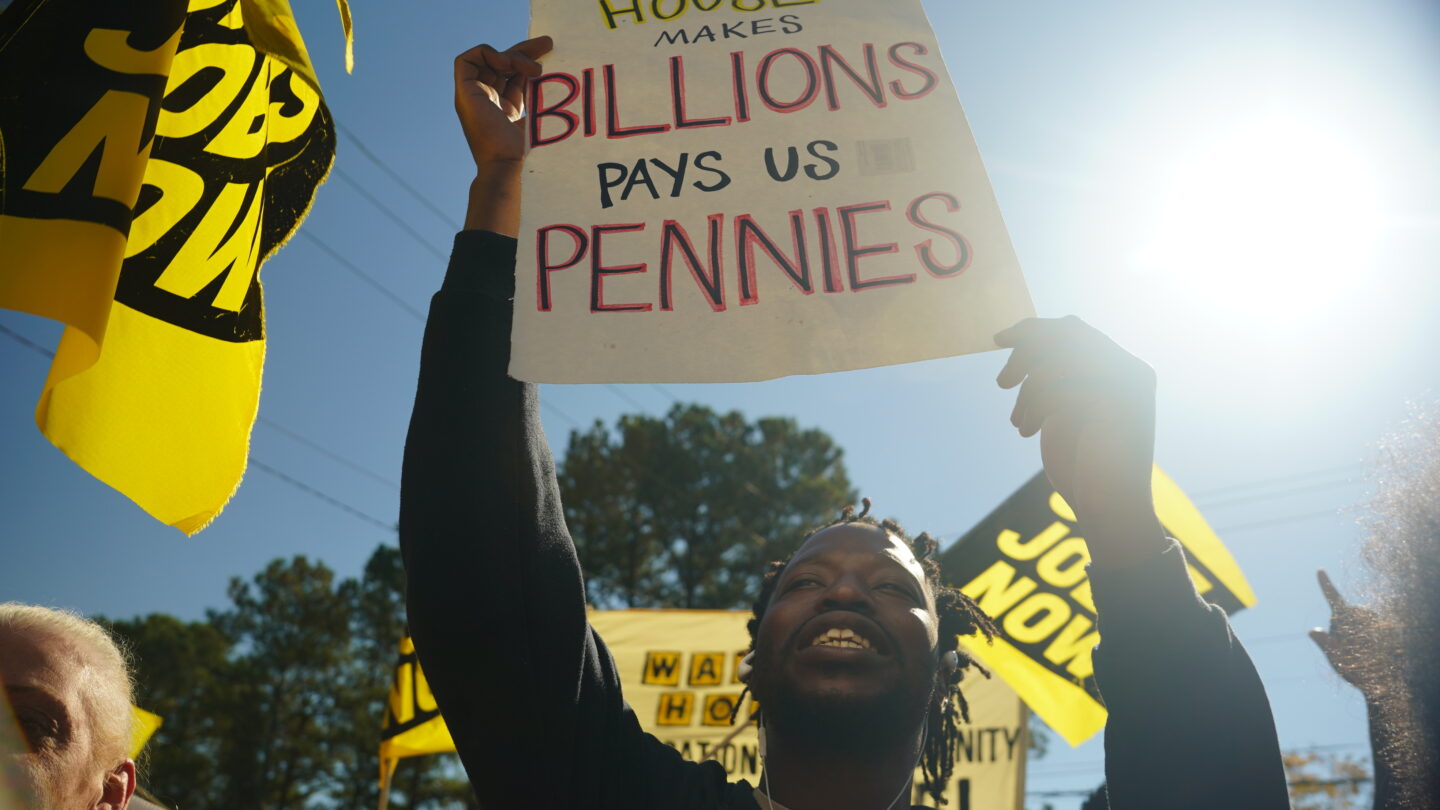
{"x": 686, "y": 510}
{"x": 276, "y": 701}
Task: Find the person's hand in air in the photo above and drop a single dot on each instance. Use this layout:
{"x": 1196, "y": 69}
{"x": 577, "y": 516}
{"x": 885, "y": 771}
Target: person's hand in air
{"x": 490, "y": 91}
{"x": 1360, "y": 645}
{"x": 1093, "y": 404}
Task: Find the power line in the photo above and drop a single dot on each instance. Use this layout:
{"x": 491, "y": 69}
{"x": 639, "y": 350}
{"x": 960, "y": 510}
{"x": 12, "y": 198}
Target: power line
{"x": 24, "y": 341}
{"x": 394, "y": 175}
{"x": 391, "y": 215}
{"x": 1277, "y": 521}
{"x": 620, "y": 392}
{"x": 295, "y": 482}
{"x": 362, "y": 275}
{"x": 663, "y": 390}
{"x": 555, "y": 409}
{"x": 1283, "y": 479}
{"x": 336, "y": 457}
{"x": 330, "y": 499}
{"x": 1281, "y": 493}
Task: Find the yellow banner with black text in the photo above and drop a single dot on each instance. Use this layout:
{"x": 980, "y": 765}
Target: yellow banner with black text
{"x": 154, "y": 155}
{"x": 1025, "y": 566}
{"x": 677, "y": 670}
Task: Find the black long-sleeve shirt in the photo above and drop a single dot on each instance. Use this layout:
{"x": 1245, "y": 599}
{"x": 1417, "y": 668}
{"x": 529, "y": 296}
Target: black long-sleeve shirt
{"x": 531, "y": 695}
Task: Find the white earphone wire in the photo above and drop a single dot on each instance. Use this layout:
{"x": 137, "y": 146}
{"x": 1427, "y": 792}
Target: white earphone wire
{"x": 909, "y": 777}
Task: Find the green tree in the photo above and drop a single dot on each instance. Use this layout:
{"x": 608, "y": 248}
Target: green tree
{"x": 276, "y": 702}
{"x": 292, "y": 631}
{"x": 686, "y": 510}
{"x": 182, "y": 674}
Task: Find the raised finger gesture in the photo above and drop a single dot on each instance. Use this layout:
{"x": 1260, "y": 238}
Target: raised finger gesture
{"x": 1359, "y": 645}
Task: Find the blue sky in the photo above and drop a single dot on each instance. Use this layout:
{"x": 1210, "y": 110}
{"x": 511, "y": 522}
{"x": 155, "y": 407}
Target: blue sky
{"x": 1107, "y": 128}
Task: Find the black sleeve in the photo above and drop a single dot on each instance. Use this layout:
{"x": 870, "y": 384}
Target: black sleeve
{"x": 1190, "y": 725}
{"x": 494, "y": 591}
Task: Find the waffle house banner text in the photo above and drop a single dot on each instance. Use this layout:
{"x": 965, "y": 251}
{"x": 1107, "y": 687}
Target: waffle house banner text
{"x": 677, "y": 669}
{"x": 731, "y": 190}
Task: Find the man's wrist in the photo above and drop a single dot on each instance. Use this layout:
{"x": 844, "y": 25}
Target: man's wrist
{"x": 1117, "y": 541}
{"x": 494, "y": 202}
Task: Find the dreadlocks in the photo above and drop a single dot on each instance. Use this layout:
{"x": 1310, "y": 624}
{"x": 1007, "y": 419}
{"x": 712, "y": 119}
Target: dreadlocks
{"x": 958, "y": 615}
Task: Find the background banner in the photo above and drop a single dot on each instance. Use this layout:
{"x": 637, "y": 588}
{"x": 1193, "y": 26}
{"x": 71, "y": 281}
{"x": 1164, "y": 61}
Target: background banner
{"x": 1026, "y": 567}
{"x": 678, "y": 672}
{"x": 745, "y": 190}
{"x": 152, "y": 156}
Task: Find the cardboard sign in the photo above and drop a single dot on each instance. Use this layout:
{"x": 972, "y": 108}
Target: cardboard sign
{"x": 677, "y": 669}
{"x": 1026, "y": 568}
{"x": 733, "y": 190}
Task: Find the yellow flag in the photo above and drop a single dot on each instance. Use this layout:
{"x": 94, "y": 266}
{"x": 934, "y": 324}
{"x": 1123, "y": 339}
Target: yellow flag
{"x": 677, "y": 670}
{"x": 1026, "y": 567}
{"x": 142, "y": 728}
{"x": 155, "y": 154}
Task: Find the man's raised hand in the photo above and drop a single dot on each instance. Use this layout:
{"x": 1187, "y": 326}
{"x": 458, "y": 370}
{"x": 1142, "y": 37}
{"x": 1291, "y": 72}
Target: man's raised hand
{"x": 490, "y": 89}
{"x": 1093, "y": 404}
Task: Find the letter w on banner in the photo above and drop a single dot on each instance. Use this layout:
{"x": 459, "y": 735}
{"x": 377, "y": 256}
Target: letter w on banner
{"x": 154, "y": 155}
{"x": 1026, "y": 567}
{"x": 727, "y": 191}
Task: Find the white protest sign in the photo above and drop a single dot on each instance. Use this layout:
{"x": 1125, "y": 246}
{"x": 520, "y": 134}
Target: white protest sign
{"x": 734, "y": 190}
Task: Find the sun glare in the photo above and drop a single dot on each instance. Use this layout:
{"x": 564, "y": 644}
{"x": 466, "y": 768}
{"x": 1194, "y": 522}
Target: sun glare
{"x": 1277, "y": 219}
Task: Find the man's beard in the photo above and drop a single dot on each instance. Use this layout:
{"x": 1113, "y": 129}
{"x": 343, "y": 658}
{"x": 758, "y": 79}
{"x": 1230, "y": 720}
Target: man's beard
{"x": 845, "y": 725}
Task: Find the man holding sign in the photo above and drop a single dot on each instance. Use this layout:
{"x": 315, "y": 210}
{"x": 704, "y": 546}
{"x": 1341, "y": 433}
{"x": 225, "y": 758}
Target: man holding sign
{"x": 854, "y": 656}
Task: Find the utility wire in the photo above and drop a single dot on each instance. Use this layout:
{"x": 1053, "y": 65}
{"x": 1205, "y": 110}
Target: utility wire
{"x": 398, "y": 301}
{"x": 295, "y": 482}
{"x": 24, "y": 341}
{"x": 1283, "y": 479}
{"x": 396, "y": 176}
{"x": 663, "y": 390}
{"x": 1278, "y": 493}
{"x": 336, "y": 457}
{"x": 620, "y": 392}
{"x": 362, "y": 275}
{"x": 390, "y": 214}
{"x": 333, "y": 501}
{"x": 1276, "y": 521}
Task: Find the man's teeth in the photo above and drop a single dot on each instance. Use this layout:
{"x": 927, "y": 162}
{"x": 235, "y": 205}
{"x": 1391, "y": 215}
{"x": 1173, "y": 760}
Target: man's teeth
{"x": 841, "y": 637}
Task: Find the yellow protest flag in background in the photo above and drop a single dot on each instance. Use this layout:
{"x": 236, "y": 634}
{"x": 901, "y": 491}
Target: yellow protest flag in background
{"x": 154, "y": 155}
{"x": 1025, "y": 566}
{"x": 142, "y": 728}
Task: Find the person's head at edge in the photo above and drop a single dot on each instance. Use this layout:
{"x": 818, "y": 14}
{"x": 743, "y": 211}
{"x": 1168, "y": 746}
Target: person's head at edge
{"x": 856, "y": 651}
{"x": 1402, "y": 550}
{"x": 69, "y": 686}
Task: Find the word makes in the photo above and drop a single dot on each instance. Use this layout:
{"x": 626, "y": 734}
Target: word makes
{"x": 839, "y": 257}
{"x": 613, "y": 10}
{"x": 789, "y": 24}
{"x": 773, "y": 83}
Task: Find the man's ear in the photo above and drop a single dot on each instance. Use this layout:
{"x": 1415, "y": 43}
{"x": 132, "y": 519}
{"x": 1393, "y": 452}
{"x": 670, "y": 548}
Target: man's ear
{"x": 119, "y": 787}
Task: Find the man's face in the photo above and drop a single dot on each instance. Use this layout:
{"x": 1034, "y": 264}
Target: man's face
{"x": 46, "y": 678}
{"x": 851, "y": 626}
